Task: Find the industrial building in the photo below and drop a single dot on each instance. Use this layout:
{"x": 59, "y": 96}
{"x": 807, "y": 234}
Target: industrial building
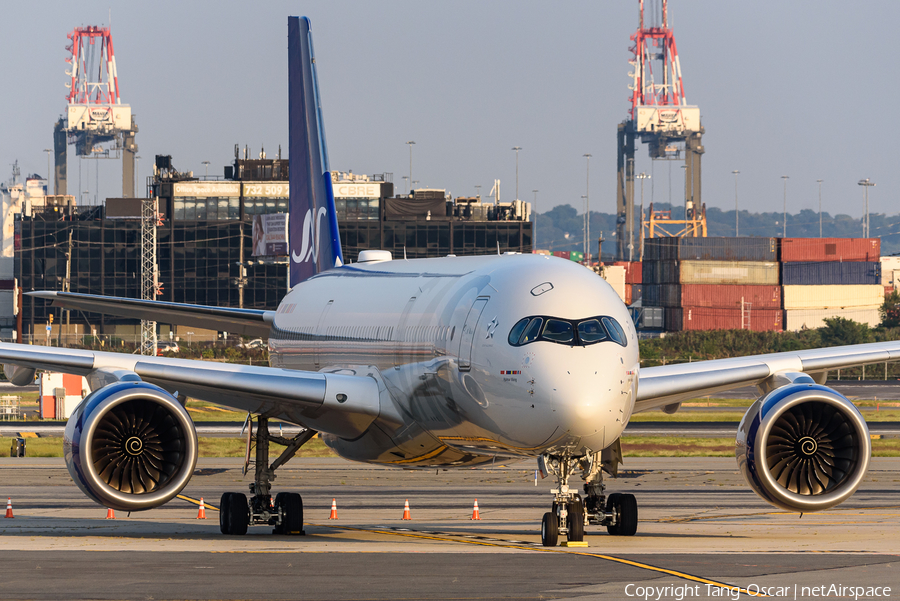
{"x": 204, "y": 240}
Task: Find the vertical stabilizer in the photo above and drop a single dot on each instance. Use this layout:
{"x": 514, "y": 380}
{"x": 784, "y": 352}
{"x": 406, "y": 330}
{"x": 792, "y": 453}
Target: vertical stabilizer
{"x": 315, "y": 243}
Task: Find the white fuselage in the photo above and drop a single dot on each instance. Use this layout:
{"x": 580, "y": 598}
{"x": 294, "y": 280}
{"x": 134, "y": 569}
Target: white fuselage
{"x": 454, "y": 391}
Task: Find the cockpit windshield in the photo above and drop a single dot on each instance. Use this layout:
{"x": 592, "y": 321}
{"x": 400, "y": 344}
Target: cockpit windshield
{"x": 572, "y": 332}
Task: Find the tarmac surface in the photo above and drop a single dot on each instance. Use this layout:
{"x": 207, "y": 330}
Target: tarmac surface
{"x": 700, "y": 527}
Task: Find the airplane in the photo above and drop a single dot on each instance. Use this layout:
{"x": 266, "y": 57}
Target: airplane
{"x": 440, "y": 362}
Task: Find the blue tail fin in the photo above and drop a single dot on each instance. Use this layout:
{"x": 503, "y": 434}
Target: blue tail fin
{"x": 314, "y": 239}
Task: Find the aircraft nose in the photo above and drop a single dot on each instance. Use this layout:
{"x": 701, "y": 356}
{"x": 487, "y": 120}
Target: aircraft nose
{"x": 594, "y": 402}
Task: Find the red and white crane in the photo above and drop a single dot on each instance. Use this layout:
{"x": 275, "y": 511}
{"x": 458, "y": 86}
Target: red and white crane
{"x": 660, "y": 117}
{"x": 96, "y": 121}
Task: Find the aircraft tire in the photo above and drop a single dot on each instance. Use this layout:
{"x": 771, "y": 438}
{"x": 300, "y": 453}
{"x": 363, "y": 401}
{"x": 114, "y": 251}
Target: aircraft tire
{"x": 575, "y": 521}
{"x": 624, "y": 506}
{"x": 549, "y": 530}
{"x": 234, "y": 513}
{"x": 293, "y": 513}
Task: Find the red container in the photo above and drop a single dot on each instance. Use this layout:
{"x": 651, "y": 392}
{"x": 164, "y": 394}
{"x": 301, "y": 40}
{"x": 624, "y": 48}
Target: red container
{"x": 830, "y": 249}
{"x": 729, "y": 297}
{"x": 706, "y": 318}
{"x": 633, "y": 271}
{"x": 562, "y": 254}
{"x": 628, "y": 294}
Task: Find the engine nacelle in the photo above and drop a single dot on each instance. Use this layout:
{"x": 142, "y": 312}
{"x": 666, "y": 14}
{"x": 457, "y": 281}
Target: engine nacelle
{"x": 130, "y": 446}
{"x": 803, "y": 447}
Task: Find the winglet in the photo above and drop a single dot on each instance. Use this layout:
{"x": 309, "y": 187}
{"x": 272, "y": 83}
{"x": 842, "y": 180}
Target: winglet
{"x": 314, "y": 248}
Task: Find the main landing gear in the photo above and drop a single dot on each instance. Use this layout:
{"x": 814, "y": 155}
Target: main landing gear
{"x": 570, "y": 512}
{"x": 285, "y": 512}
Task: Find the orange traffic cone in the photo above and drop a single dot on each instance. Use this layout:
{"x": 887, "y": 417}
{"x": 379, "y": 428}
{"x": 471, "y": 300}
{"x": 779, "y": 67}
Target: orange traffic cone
{"x": 9, "y": 507}
{"x": 110, "y": 514}
{"x": 201, "y": 513}
{"x": 406, "y": 511}
{"x": 333, "y": 515}
{"x": 475, "y": 515}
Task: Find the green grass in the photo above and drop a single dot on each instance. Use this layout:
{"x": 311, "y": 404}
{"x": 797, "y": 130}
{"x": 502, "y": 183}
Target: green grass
{"x": 209, "y": 447}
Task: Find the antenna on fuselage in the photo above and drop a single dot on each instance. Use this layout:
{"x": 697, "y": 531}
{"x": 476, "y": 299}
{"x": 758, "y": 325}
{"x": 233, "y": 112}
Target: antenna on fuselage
{"x": 498, "y": 248}
{"x": 404, "y": 253}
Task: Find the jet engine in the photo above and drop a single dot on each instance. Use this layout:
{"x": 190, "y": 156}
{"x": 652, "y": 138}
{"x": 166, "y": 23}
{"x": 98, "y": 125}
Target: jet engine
{"x": 130, "y": 446}
{"x": 803, "y": 447}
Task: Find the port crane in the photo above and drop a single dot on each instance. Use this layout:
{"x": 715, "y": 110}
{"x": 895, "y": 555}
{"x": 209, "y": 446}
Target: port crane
{"x": 95, "y": 121}
{"x": 660, "y": 117}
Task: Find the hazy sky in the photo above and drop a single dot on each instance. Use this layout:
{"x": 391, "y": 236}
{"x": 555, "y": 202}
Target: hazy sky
{"x": 785, "y": 88}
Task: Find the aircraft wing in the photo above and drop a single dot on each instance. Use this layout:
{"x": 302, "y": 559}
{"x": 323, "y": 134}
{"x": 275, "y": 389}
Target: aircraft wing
{"x": 668, "y": 385}
{"x": 341, "y": 404}
{"x": 247, "y": 322}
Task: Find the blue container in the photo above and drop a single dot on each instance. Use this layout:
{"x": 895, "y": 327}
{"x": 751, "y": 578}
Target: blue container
{"x": 830, "y": 273}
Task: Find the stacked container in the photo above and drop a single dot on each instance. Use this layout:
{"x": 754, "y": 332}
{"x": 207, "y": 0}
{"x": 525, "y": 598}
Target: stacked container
{"x": 714, "y": 283}
{"x": 633, "y": 280}
{"x": 831, "y": 277}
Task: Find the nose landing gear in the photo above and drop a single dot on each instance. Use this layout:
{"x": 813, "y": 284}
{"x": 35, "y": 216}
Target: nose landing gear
{"x": 570, "y": 512}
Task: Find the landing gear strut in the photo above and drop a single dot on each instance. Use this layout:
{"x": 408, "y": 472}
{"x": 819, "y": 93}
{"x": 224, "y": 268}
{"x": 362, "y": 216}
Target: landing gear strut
{"x": 285, "y": 512}
{"x": 570, "y": 511}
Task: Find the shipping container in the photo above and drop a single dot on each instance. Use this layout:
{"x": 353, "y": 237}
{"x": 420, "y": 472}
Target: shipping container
{"x": 633, "y": 273}
{"x": 728, "y": 249}
{"x": 716, "y": 318}
{"x": 809, "y": 319}
{"x": 541, "y": 251}
{"x": 615, "y": 277}
{"x": 730, "y": 297}
{"x": 830, "y": 249}
{"x": 653, "y": 318}
{"x": 711, "y": 249}
{"x": 728, "y": 272}
{"x": 890, "y": 271}
{"x": 827, "y": 273}
{"x": 659, "y": 272}
{"x": 562, "y": 254}
{"x": 833, "y": 297}
{"x": 576, "y": 256}
{"x": 660, "y": 249}
{"x": 628, "y": 298}
{"x": 637, "y": 292}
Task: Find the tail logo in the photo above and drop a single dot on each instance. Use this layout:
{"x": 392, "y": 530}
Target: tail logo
{"x": 309, "y": 247}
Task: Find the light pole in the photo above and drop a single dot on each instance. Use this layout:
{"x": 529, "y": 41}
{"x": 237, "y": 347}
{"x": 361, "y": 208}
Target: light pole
{"x": 587, "y": 208}
{"x": 820, "y": 206}
{"x": 642, "y": 176}
{"x": 478, "y": 191}
{"x": 534, "y": 231}
{"x": 584, "y": 224}
{"x": 784, "y": 222}
{"x": 206, "y": 164}
{"x": 866, "y": 184}
{"x": 737, "y": 229}
{"x": 49, "y": 152}
{"x": 410, "y": 143}
{"x": 406, "y": 181}
{"x": 517, "y": 149}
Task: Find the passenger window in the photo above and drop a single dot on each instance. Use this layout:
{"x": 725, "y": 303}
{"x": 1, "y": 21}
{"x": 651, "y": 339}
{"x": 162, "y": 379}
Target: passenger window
{"x": 532, "y": 331}
{"x": 516, "y": 331}
{"x": 557, "y": 331}
{"x": 615, "y": 330}
{"x": 590, "y": 331}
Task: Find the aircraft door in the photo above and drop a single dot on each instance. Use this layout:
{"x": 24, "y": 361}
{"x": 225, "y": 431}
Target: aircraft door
{"x": 467, "y": 337}
{"x": 320, "y": 333}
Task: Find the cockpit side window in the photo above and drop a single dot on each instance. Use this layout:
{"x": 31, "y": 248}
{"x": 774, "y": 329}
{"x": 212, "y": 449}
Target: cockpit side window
{"x": 558, "y": 330}
{"x": 615, "y": 330}
{"x": 516, "y": 332}
{"x": 532, "y": 331}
